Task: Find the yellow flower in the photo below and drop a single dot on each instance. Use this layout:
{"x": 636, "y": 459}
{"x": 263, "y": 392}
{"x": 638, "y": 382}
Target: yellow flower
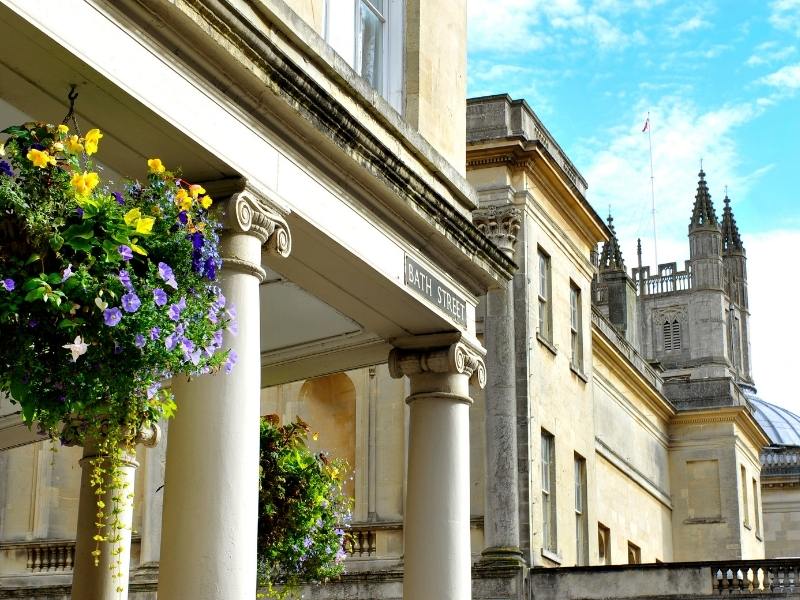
{"x": 92, "y": 139}
{"x": 40, "y": 158}
{"x": 145, "y": 225}
{"x": 183, "y": 200}
{"x": 84, "y": 182}
{"x": 155, "y": 165}
{"x": 2, "y": 149}
{"x": 58, "y": 147}
{"x": 132, "y": 216}
{"x": 63, "y": 129}
{"x": 205, "y": 202}
{"x": 74, "y": 145}
{"x": 196, "y": 190}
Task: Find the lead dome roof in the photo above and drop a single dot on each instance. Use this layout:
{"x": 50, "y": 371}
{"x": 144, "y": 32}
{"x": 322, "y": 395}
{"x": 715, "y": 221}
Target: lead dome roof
{"x": 781, "y": 425}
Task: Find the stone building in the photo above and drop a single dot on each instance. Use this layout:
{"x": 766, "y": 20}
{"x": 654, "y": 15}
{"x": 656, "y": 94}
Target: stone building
{"x": 618, "y": 425}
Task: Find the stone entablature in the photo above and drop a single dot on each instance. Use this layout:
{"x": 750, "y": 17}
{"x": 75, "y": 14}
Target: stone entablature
{"x": 493, "y": 117}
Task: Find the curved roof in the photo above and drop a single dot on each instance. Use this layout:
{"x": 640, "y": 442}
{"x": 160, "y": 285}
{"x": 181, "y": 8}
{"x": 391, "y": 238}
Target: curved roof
{"x": 782, "y": 426}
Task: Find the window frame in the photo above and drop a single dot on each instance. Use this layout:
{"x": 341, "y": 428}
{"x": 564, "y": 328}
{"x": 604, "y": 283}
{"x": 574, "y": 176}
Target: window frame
{"x": 603, "y": 541}
{"x": 745, "y": 504}
{"x": 756, "y": 512}
{"x": 576, "y": 326}
{"x": 549, "y": 512}
{"x": 636, "y": 552}
{"x": 581, "y": 517}
{"x": 545, "y": 300}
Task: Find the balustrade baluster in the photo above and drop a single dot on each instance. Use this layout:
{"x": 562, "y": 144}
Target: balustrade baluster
{"x": 37, "y": 559}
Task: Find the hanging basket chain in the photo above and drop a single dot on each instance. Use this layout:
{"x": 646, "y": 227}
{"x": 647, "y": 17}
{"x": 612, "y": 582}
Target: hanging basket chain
{"x": 72, "y": 96}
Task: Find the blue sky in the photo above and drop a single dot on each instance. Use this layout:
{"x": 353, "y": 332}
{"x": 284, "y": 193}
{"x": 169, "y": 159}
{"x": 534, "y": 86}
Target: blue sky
{"x": 721, "y": 80}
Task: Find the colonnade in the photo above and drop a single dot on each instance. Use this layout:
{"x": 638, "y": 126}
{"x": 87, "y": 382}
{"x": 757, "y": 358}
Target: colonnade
{"x": 210, "y": 512}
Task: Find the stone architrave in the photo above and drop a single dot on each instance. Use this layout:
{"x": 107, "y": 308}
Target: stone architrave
{"x": 208, "y": 543}
{"x": 501, "y": 519}
{"x": 436, "y": 525}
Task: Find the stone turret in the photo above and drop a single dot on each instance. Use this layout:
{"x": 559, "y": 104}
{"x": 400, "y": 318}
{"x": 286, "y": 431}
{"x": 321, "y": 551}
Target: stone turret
{"x": 705, "y": 241}
{"x": 618, "y": 296}
{"x": 734, "y": 261}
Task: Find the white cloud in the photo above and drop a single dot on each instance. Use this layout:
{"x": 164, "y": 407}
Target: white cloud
{"x": 691, "y": 24}
{"x": 618, "y": 170}
{"x": 506, "y": 26}
{"x": 785, "y": 15}
{"x": 773, "y": 329}
{"x": 786, "y": 79}
{"x": 769, "y": 53}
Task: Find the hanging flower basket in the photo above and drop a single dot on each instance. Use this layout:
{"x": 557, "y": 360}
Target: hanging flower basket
{"x": 105, "y": 291}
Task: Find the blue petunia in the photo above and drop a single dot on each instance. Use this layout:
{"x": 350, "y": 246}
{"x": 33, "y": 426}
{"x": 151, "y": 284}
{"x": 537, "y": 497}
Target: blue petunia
{"x": 125, "y": 252}
{"x": 159, "y": 297}
{"x": 131, "y": 302}
{"x": 112, "y": 316}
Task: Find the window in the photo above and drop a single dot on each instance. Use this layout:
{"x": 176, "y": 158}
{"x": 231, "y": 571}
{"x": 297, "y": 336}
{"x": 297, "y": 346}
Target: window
{"x": 672, "y": 335}
{"x": 548, "y": 492}
{"x": 545, "y": 304}
{"x": 368, "y": 35}
{"x": 745, "y": 507}
{"x": 634, "y": 554}
{"x": 756, "y": 510}
{"x": 581, "y": 531}
{"x": 370, "y": 41}
{"x": 604, "y": 544}
{"x": 576, "y": 326}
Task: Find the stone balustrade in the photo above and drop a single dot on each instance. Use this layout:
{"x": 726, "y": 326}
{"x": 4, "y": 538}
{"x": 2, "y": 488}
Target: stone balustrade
{"x": 779, "y": 578}
{"x": 756, "y": 577}
{"x": 780, "y": 460}
{"x": 359, "y": 541}
{"x": 39, "y": 556}
{"x": 668, "y": 280}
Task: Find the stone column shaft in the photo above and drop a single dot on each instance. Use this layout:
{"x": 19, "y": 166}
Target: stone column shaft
{"x": 108, "y": 580}
{"x": 210, "y": 520}
{"x": 436, "y": 525}
{"x": 501, "y": 518}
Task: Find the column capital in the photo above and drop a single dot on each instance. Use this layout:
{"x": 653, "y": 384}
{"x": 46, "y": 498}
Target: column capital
{"x": 501, "y": 224}
{"x": 456, "y": 359}
{"x": 246, "y": 212}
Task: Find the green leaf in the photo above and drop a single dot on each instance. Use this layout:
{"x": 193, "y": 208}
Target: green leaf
{"x": 79, "y": 244}
{"x": 56, "y": 242}
{"x": 36, "y": 294}
{"x": 84, "y": 231}
{"x": 32, "y": 259}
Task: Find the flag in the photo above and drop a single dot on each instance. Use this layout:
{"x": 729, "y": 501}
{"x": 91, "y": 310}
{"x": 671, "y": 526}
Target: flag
{"x": 646, "y": 125}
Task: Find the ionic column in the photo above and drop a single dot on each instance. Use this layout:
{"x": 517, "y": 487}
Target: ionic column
{"x": 501, "y": 505}
{"x": 109, "y": 579}
{"x": 210, "y": 519}
{"x": 436, "y": 523}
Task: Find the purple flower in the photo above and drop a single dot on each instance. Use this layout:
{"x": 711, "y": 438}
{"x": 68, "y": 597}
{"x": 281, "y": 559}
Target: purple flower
{"x": 187, "y": 345}
{"x": 217, "y": 339}
{"x": 79, "y": 212}
{"x": 154, "y": 333}
{"x": 125, "y": 280}
{"x": 8, "y": 285}
{"x": 112, "y": 316}
{"x": 159, "y": 297}
{"x": 139, "y": 341}
{"x": 33, "y": 323}
{"x": 210, "y": 268}
{"x": 152, "y": 389}
{"x": 175, "y": 310}
{"x": 183, "y": 218}
{"x": 131, "y": 302}
{"x": 119, "y": 198}
{"x": 6, "y": 169}
{"x": 125, "y": 252}
{"x": 194, "y": 357}
{"x": 171, "y": 341}
{"x": 67, "y": 273}
{"x": 117, "y": 348}
{"x": 212, "y": 316}
{"x": 307, "y": 542}
{"x": 197, "y": 240}
{"x": 232, "y": 358}
{"x": 165, "y": 272}
{"x": 233, "y": 326}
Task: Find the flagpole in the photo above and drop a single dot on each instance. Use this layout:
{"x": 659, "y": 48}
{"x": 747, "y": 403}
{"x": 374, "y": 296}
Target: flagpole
{"x": 652, "y": 187}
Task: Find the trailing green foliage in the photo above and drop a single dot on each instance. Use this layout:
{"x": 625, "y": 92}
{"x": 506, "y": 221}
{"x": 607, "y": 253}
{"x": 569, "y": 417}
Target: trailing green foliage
{"x": 303, "y": 510}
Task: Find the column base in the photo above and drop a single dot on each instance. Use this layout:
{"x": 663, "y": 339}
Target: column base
{"x": 502, "y": 556}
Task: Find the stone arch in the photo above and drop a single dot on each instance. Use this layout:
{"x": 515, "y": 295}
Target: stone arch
{"x": 328, "y": 405}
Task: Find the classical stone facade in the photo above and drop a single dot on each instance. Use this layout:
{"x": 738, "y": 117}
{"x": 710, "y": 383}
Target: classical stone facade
{"x": 539, "y": 426}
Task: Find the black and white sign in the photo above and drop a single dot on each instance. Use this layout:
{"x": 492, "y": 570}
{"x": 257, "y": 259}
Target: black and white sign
{"x": 429, "y": 287}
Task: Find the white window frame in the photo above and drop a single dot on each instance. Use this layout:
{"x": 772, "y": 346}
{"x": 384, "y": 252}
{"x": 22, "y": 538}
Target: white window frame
{"x": 576, "y": 325}
{"x": 549, "y": 512}
{"x": 581, "y": 521}
{"x": 545, "y": 296}
{"x": 342, "y": 32}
